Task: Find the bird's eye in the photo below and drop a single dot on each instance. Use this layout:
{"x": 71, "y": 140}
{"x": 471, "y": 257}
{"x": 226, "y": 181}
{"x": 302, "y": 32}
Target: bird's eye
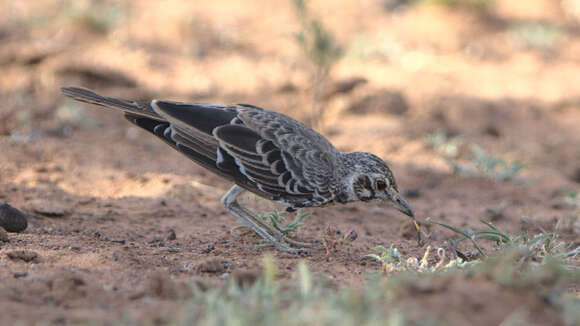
{"x": 381, "y": 185}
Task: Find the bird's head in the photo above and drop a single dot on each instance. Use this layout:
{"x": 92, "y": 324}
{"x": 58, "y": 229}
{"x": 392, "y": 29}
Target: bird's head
{"x": 372, "y": 179}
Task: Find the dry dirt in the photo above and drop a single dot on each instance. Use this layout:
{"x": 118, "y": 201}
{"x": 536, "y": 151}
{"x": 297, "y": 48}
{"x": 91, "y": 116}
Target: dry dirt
{"x": 119, "y": 220}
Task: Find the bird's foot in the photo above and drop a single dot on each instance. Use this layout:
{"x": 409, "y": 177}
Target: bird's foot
{"x": 280, "y": 246}
{"x": 299, "y": 243}
{"x": 236, "y": 232}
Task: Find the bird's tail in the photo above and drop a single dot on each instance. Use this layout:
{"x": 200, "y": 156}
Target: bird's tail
{"x": 88, "y": 96}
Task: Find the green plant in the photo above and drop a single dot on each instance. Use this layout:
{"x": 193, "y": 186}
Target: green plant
{"x": 392, "y": 261}
{"x": 496, "y": 168}
{"x": 539, "y": 249}
{"x": 534, "y": 248}
{"x": 319, "y": 46}
{"x": 482, "y": 163}
{"x": 276, "y": 219}
{"x": 572, "y": 198}
{"x": 540, "y": 36}
{"x": 444, "y": 145}
{"x": 97, "y": 16}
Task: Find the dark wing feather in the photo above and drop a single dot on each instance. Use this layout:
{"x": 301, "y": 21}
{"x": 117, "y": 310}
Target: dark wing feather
{"x": 88, "y": 96}
{"x": 192, "y": 124}
{"x": 217, "y": 133}
{"x": 203, "y": 118}
{"x": 310, "y": 158}
{"x": 259, "y": 160}
{"x": 162, "y": 129}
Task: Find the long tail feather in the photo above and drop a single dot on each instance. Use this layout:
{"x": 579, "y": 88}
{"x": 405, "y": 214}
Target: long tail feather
{"x": 87, "y": 96}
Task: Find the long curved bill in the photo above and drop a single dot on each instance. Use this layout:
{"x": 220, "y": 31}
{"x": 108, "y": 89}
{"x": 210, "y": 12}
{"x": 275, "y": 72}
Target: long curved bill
{"x": 403, "y": 207}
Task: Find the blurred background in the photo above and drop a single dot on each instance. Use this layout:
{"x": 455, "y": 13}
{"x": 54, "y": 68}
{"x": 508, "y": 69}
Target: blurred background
{"x": 474, "y": 103}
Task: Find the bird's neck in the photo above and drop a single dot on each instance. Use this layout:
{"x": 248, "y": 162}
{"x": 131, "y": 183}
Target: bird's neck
{"x": 351, "y": 166}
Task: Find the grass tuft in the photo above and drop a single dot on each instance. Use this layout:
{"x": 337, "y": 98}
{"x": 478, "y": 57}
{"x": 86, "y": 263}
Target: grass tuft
{"x": 480, "y": 164}
{"x": 536, "y": 35}
{"x": 276, "y": 219}
{"x": 534, "y": 248}
{"x": 392, "y": 261}
{"x": 97, "y": 16}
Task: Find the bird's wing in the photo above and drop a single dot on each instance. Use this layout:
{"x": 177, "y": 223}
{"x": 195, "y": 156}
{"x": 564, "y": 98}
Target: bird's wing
{"x": 265, "y": 152}
{"x": 253, "y": 161}
{"x": 307, "y": 155}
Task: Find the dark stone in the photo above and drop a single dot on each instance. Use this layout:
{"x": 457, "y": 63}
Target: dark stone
{"x": 11, "y": 219}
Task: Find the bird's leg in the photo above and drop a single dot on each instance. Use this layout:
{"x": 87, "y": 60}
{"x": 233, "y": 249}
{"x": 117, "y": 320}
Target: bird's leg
{"x": 230, "y": 202}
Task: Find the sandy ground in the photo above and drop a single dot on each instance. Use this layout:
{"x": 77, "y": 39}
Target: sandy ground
{"x": 116, "y": 212}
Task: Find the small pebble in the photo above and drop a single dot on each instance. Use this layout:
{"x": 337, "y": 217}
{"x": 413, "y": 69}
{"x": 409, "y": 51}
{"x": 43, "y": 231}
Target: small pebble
{"x": 11, "y": 219}
{"x": 208, "y": 249}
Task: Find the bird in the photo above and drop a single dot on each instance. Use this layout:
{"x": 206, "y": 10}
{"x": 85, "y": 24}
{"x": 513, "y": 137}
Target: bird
{"x": 264, "y": 152}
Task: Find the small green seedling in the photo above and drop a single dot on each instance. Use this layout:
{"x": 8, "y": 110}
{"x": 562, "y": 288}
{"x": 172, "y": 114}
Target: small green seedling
{"x": 481, "y": 163}
{"x": 275, "y": 219}
{"x": 537, "y": 247}
{"x": 496, "y": 168}
{"x": 572, "y": 198}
